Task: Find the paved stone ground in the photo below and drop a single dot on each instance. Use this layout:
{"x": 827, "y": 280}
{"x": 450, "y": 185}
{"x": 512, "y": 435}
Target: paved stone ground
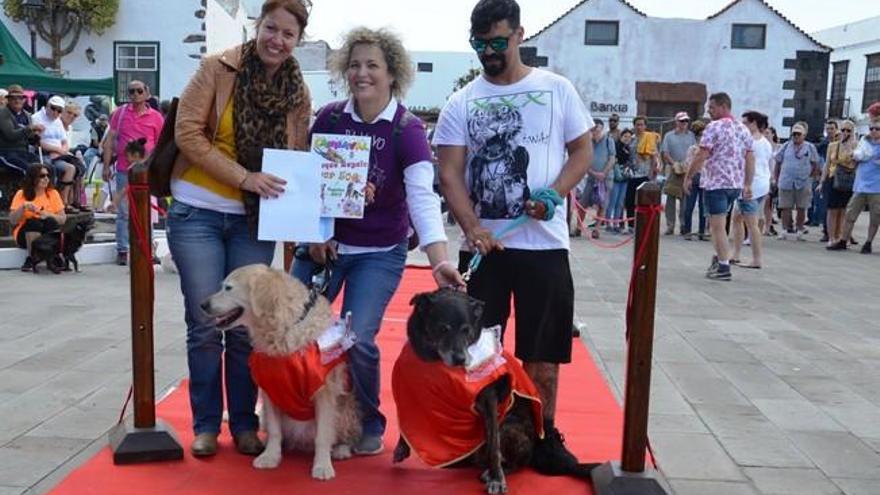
{"x": 764, "y": 385}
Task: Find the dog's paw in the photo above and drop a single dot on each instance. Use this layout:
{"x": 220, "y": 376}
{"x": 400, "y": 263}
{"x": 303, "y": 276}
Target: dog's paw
{"x": 341, "y": 451}
{"x": 401, "y": 452}
{"x": 267, "y": 460}
{"x": 323, "y": 472}
{"x": 496, "y": 486}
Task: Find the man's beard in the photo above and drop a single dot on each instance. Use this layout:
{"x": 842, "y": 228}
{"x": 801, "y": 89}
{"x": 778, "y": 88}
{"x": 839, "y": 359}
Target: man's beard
{"x": 493, "y": 70}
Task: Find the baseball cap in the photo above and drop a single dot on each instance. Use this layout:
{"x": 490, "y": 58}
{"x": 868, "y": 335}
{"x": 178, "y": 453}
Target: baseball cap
{"x": 57, "y": 101}
{"x": 3, "y": 92}
{"x": 798, "y": 128}
{"x": 682, "y": 116}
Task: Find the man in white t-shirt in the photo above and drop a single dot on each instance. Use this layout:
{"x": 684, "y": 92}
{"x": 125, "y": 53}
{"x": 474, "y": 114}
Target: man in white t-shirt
{"x": 55, "y": 146}
{"x": 748, "y": 211}
{"x": 502, "y": 143}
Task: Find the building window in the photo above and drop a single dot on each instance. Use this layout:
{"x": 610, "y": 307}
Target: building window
{"x": 425, "y": 67}
{"x": 872, "y": 81}
{"x": 748, "y": 36}
{"x": 135, "y": 60}
{"x": 602, "y": 33}
{"x": 837, "y": 105}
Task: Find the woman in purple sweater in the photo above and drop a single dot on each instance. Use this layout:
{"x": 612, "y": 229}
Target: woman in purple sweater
{"x": 370, "y": 253}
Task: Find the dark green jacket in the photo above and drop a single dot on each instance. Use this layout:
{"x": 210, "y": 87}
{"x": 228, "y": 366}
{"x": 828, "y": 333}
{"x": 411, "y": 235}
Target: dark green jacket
{"x": 13, "y": 137}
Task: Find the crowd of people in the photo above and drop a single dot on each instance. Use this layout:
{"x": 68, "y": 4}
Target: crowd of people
{"x": 46, "y": 139}
{"x": 795, "y": 184}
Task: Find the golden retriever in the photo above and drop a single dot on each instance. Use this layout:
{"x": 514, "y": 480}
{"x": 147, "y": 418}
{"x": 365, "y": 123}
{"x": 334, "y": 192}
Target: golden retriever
{"x": 284, "y": 318}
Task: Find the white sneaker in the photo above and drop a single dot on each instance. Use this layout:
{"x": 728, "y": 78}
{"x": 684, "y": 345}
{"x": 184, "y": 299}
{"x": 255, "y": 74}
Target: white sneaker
{"x": 782, "y": 236}
{"x": 800, "y": 236}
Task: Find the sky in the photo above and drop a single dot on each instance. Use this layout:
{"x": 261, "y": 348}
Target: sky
{"x": 442, "y": 25}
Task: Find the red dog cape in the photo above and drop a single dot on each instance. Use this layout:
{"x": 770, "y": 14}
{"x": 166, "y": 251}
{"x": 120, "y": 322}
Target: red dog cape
{"x": 435, "y": 405}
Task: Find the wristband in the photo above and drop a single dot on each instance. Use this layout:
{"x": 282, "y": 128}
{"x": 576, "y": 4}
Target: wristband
{"x": 439, "y": 266}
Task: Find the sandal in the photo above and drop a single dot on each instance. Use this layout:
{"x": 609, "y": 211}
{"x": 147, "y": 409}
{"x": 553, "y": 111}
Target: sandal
{"x": 71, "y": 210}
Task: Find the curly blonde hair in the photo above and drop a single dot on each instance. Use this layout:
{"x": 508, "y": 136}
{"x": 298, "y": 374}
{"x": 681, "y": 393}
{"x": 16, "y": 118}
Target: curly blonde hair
{"x": 396, "y": 57}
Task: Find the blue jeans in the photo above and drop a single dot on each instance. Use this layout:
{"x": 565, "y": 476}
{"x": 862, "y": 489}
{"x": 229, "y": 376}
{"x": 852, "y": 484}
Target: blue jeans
{"x": 615, "y": 201}
{"x": 720, "y": 201}
{"x": 370, "y": 280}
{"x": 122, "y": 213}
{"x": 207, "y": 246}
{"x": 692, "y": 199}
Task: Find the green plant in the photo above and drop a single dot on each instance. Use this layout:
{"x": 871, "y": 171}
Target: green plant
{"x": 61, "y": 22}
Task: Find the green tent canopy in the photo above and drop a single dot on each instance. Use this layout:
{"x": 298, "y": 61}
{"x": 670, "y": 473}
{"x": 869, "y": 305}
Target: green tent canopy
{"x": 18, "y": 68}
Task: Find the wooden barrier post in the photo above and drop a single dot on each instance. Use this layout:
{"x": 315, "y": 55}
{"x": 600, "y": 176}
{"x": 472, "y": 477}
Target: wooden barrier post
{"x": 630, "y": 476}
{"x": 148, "y": 439}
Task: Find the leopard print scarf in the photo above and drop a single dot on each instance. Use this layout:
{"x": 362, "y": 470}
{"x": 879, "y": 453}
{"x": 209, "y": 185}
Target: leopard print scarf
{"x": 260, "y": 114}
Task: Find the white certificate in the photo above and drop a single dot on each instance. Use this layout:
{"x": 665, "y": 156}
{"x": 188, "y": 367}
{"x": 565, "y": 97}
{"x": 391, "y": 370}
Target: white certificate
{"x": 295, "y": 215}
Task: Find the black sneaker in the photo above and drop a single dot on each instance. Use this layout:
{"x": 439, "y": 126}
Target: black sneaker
{"x": 866, "y": 248}
{"x": 721, "y": 272}
{"x": 122, "y": 258}
{"x": 837, "y": 246}
{"x": 550, "y": 456}
{"x": 28, "y": 265}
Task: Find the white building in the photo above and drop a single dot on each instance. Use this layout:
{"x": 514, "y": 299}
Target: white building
{"x": 855, "y": 67}
{"x": 623, "y": 61}
{"x": 159, "y": 42}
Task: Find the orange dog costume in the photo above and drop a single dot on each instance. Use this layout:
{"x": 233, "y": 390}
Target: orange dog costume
{"x": 435, "y": 405}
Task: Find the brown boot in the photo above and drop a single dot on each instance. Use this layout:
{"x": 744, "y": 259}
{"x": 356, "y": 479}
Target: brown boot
{"x": 204, "y": 445}
{"x": 248, "y": 443}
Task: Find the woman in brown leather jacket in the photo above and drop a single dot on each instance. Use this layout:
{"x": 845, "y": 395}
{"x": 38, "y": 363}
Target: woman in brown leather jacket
{"x": 239, "y": 102}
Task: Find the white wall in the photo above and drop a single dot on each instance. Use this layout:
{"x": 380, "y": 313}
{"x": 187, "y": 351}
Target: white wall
{"x": 431, "y": 89}
{"x": 853, "y": 42}
{"x": 675, "y": 50}
{"x": 224, "y": 31}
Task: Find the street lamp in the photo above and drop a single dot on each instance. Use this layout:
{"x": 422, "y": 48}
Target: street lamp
{"x": 32, "y": 11}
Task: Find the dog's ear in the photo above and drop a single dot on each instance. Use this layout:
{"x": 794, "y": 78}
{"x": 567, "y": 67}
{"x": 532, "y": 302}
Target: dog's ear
{"x": 476, "y": 307}
{"x": 265, "y": 294}
{"x": 422, "y": 301}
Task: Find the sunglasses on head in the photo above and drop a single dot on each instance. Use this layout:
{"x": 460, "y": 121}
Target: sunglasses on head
{"x": 132, "y": 91}
{"x": 498, "y": 44}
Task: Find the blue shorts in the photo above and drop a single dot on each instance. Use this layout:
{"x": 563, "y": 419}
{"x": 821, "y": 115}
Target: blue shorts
{"x": 750, "y": 207}
{"x": 719, "y": 201}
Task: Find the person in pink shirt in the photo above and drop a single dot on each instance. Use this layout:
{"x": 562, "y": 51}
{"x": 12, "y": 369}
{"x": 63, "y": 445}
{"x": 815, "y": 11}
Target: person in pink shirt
{"x": 129, "y": 122}
{"x": 728, "y": 166}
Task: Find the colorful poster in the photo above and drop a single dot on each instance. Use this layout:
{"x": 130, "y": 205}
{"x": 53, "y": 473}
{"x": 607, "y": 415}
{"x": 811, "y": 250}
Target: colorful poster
{"x": 343, "y": 173}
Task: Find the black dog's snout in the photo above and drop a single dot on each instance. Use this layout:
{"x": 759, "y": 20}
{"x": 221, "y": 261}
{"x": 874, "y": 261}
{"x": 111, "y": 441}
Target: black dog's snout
{"x": 459, "y": 358}
{"x": 206, "y": 305}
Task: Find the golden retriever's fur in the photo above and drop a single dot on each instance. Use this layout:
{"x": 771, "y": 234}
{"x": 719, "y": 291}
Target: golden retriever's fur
{"x": 275, "y": 309}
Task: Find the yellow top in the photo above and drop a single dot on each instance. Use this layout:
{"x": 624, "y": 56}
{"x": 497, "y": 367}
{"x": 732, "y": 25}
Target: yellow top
{"x": 648, "y": 143}
{"x": 225, "y": 142}
{"x": 839, "y": 155}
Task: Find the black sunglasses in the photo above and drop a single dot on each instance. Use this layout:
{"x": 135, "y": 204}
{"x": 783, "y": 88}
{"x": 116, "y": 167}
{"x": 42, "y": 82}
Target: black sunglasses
{"x": 132, "y": 91}
{"x": 56, "y": 109}
{"x": 874, "y": 128}
{"x": 797, "y": 134}
{"x": 498, "y": 44}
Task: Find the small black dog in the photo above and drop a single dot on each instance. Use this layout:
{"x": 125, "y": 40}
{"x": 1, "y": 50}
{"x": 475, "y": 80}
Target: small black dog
{"x": 442, "y": 326}
{"x": 73, "y": 242}
{"x": 45, "y": 248}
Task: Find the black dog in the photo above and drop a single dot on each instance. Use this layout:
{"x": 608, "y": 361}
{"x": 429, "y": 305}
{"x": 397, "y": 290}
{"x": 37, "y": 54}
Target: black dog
{"x": 45, "y": 248}
{"x": 73, "y": 241}
{"x": 442, "y": 326}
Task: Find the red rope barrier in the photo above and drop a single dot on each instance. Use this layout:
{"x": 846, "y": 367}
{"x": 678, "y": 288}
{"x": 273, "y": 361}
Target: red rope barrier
{"x": 584, "y": 228}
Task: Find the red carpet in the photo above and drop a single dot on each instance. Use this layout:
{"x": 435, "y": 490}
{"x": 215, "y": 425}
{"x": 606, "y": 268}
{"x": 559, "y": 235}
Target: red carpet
{"x": 587, "y": 414}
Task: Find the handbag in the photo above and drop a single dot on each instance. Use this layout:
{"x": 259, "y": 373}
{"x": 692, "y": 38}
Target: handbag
{"x": 844, "y": 178}
{"x": 161, "y": 161}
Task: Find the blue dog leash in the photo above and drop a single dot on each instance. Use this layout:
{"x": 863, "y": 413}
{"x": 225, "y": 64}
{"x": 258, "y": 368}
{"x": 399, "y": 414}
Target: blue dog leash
{"x": 551, "y": 200}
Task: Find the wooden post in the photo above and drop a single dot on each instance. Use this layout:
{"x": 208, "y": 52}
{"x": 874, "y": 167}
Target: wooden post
{"x": 629, "y": 476}
{"x": 148, "y": 439}
{"x": 641, "y": 332}
{"x": 142, "y": 302}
